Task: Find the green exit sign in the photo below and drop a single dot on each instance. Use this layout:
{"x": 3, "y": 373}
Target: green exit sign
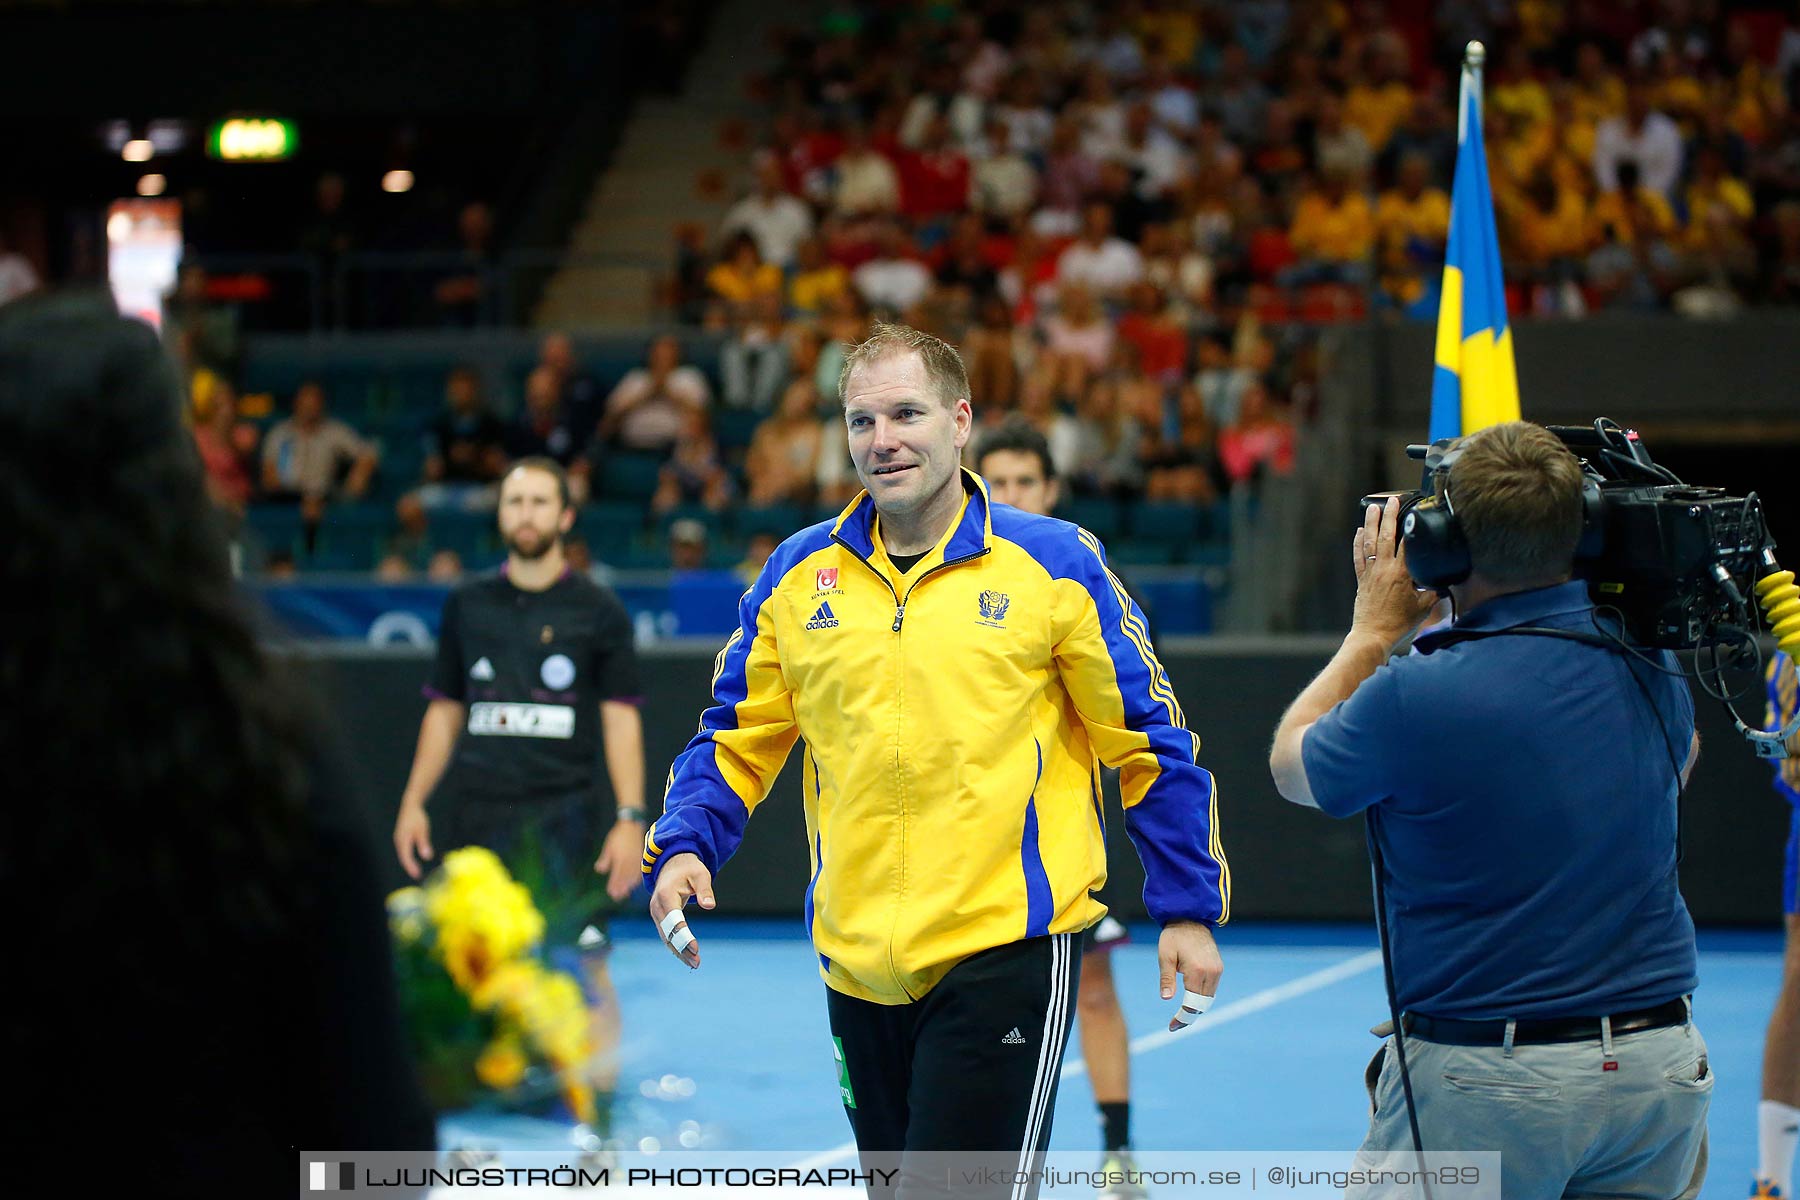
{"x": 252, "y": 139}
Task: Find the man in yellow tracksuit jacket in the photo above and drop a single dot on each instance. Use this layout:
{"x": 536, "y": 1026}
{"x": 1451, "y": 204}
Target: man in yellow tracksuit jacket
{"x": 958, "y": 671}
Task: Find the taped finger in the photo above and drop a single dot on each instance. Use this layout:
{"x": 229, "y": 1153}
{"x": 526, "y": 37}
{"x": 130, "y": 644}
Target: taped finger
{"x": 1192, "y": 1005}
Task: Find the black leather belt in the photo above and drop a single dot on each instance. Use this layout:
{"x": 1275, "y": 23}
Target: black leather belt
{"x": 1452, "y": 1032}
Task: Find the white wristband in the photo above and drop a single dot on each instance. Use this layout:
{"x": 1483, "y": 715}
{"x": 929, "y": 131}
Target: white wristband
{"x": 1192, "y": 1005}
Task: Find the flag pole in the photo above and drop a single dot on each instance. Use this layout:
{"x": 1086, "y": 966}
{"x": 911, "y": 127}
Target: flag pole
{"x": 1474, "y": 55}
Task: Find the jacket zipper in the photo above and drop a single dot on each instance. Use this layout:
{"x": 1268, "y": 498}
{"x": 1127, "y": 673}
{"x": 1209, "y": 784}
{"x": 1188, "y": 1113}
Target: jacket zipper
{"x": 899, "y": 619}
{"x": 900, "y": 612}
{"x": 899, "y": 603}
{"x": 857, "y": 554}
{"x": 893, "y": 969}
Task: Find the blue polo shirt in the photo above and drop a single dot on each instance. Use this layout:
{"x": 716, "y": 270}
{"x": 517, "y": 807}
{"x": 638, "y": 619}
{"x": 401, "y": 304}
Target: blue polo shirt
{"x": 1526, "y": 811}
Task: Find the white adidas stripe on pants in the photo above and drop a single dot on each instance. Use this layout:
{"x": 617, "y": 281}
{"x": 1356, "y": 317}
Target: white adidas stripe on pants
{"x": 1049, "y": 1068}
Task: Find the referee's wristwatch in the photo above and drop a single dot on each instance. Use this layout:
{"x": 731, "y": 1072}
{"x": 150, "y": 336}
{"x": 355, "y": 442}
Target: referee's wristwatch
{"x": 634, "y": 814}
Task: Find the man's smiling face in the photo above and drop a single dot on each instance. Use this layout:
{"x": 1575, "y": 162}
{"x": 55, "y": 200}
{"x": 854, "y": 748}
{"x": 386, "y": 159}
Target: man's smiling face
{"x": 905, "y": 440}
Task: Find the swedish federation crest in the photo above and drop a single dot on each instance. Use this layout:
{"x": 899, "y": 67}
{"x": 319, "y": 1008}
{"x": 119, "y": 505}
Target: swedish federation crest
{"x": 993, "y": 607}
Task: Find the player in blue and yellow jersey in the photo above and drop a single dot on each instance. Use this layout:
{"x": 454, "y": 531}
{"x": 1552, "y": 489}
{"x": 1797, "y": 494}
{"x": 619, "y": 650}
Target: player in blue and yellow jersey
{"x": 1778, "y": 1116}
{"x": 958, "y": 671}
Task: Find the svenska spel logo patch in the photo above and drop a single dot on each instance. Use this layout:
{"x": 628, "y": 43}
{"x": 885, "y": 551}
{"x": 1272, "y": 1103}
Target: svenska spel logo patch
{"x": 825, "y": 579}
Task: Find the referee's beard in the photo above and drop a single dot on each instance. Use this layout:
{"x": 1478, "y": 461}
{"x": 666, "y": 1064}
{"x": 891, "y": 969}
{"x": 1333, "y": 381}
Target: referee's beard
{"x": 531, "y": 544}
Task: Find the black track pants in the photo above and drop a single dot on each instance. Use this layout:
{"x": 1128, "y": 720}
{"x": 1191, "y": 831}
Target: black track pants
{"x": 971, "y": 1068}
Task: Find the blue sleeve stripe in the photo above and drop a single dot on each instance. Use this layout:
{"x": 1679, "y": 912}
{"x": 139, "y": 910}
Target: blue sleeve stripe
{"x": 730, "y": 681}
{"x": 1158, "y": 682}
{"x": 1139, "y": 634}
{"x": 1134, "y": 626}
{"x": 702, "y": 812}
{"x": 729, "y": 693}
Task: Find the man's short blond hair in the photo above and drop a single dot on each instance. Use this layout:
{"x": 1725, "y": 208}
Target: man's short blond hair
{"x": 1516, "y": 491}
{"x": 943, "y": 365}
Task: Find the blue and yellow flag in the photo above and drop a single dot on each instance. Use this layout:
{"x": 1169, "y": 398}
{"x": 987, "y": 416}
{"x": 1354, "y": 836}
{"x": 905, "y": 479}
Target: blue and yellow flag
{"x": 1475, "y": 384}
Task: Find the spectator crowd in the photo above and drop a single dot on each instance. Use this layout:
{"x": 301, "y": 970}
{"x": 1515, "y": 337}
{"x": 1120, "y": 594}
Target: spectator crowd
{"x": 1290, "y": 156}
{"x": 1131, "y": 218}
{"x": 1113, "y": 208}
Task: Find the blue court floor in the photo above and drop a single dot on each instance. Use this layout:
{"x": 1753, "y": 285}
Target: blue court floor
{"x": 736, "y": 1055}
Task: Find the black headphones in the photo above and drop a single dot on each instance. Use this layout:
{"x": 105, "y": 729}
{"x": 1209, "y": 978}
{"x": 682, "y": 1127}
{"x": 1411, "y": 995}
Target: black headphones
{"x": 1437, "y": 550}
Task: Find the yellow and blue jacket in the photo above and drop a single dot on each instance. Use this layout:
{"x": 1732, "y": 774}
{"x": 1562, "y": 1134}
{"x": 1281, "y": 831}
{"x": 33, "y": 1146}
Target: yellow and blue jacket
{"x": 954, "y": 720}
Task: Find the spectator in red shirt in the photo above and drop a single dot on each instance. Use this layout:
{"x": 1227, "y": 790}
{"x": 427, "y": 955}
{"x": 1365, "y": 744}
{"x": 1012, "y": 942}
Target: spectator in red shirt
{"x": 1160, "y": 340}
{"x": 806, "y": 153}
{"x": 934, "y": 179}
{"x": 1267, "y": 250}
{"x": 1028, "y": 283}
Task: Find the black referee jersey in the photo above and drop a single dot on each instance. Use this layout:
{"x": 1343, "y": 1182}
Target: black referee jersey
{"x": 532, "y": 668}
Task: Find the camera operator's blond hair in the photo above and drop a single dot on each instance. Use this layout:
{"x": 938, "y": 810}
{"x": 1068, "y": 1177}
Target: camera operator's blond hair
{"x": 1516, "y": 490}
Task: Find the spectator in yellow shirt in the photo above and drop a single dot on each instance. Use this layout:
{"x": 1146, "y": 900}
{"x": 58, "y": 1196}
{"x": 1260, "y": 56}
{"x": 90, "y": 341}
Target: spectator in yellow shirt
{"x": 1516, "y": 149}
{"x": 817, "y": 281}
{"x": 1550, "y": 227}
{"x": 1676, "y": 91}
{"x": 1412, "y": 220}
{"x": 741, "y": 275}
{"x": 1376, "y": 105}
{"x": 1719, "y": 208}
{"x": 1172, "y": 30}
{"x": 1632, "y": 210}
{"x": 1517, "y": 91}
{"x": 1571, "y": 129}
{"x": 1333, "y": 232}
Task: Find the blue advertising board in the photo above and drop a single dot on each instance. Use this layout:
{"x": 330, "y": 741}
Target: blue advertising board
{"x": 694, "y": 604}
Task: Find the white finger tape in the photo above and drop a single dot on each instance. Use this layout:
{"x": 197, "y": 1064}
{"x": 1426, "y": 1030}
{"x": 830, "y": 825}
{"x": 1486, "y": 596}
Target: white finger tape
{"x": 670, "y": 920}
{"x": 1192, "y": 1005}
{"x": 680, "y": 940}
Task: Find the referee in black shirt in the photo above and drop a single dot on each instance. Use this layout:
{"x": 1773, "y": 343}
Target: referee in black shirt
{"x": 535, "y": 674}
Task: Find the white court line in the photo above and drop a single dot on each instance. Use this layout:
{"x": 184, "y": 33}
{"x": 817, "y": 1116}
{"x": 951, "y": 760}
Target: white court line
{"x": 1741, "y": 956}
{"x": 1223, "y": 1015}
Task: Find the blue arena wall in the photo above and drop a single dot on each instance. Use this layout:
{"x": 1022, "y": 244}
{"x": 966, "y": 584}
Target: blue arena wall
{"x": 1287, "y": 863}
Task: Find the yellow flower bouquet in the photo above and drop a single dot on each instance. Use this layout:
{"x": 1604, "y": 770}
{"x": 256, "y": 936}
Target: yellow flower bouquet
{"x": 487, "y": 1019}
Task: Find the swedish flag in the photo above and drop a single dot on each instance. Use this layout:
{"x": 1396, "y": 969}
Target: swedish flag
{"x": 1475, "y": 384}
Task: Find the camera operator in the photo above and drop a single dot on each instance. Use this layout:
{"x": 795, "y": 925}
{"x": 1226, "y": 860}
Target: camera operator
{"x": 1521, "y": 792}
